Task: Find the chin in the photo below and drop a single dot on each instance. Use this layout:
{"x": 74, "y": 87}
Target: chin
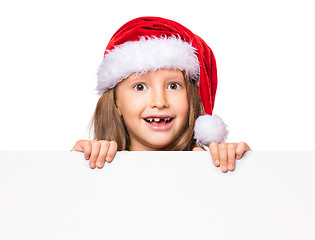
{"x": 157, "y": 145}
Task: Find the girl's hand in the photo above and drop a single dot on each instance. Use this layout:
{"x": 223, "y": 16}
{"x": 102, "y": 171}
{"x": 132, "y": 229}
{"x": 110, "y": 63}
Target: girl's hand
{"x": 96, "y": 151}
{"x": 224, "y": 154}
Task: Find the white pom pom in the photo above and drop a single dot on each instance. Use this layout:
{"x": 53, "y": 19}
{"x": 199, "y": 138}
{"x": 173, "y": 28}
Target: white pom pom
{"x": 210, "y": 129}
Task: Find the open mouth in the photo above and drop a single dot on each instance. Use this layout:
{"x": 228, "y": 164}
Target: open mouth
{"x": 159, "y": 123}
{"x": 158, "y": 120}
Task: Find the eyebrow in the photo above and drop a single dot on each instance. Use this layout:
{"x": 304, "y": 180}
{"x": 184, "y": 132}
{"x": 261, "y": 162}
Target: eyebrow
{"x": 176, "y": 77}
{"x": 146, "y": 78}
{"x": 136, "y": 78}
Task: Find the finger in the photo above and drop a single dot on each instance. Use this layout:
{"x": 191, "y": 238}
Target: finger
{"x": 197, "y": 149}
{"x": 83, "y": 146}
{"x": 231, "y": 156}
{"x": 214, "y": 151}
{"x": 223, "y": 156}
{"x": 96, "y": 146}
{"x": 79, "y": 146}
{"x": 241, "y": 148}
{"x": 102, "y": 154}
{"x": 87, "y": 149}
{"x": 111, "y": 151}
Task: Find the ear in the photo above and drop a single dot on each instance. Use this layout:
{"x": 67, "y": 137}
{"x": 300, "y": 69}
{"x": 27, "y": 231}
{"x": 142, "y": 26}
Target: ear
{"x": 118, "y": 109}
{"x": 117, "y": 103}
{"x": 119, "y": 112}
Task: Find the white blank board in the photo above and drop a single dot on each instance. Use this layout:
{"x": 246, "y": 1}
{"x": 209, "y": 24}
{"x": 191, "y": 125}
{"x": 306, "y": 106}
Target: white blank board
{"x": 156, "y": 195}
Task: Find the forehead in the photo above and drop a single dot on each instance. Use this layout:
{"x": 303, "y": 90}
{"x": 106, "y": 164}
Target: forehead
{"x": 167, "y": 74}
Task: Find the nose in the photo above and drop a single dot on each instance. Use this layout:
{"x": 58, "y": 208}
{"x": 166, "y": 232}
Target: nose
{"x": 159, "y": 99}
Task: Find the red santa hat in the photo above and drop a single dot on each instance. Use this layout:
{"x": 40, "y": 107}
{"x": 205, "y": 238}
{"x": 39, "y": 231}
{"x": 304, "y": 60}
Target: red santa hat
{"x": 151, "y": 43}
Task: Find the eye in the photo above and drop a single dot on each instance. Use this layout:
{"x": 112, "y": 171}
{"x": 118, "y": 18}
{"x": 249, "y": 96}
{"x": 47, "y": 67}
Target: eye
{"x": 140, "y": 87}
{"x": 174, "y": 86}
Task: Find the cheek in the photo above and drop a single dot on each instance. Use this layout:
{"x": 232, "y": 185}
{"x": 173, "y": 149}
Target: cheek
{"x": 131, "y": 106}
{"x": 184, "y": 110}
{"x": 180, "y": 102}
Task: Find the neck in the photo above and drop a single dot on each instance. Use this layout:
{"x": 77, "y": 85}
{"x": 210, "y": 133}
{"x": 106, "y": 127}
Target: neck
{"x": 135, "y": 146}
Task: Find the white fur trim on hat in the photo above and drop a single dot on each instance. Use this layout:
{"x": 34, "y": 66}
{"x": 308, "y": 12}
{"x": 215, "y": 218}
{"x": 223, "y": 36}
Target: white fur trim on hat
{"x": 147, "y": 54}
{"x": 210, "y": 128}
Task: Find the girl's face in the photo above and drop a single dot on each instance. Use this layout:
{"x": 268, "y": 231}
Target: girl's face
{"x": 154, "y": 106}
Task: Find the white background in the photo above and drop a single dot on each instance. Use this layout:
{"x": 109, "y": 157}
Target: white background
{"x": 50, "y": 52}
{"x": 164, "y": 195}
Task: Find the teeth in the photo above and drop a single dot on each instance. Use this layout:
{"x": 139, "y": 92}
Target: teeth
{"x": 158, "y": 119}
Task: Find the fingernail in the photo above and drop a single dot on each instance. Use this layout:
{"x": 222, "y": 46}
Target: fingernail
{"x": 217, "y": 162}
{"x": 99, "y": 164}
{"x": 230, "y": 166}
{"x": 224, "y": 168}
{"x": 92, "y": 164}
{"x": 108, "y": 158}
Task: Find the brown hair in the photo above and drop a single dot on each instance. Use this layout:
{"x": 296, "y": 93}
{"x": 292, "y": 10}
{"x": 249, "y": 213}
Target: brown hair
{"x": 107, "y": 124}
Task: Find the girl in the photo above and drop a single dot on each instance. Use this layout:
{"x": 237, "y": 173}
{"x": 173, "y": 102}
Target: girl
{"x": 157, "y": 84}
